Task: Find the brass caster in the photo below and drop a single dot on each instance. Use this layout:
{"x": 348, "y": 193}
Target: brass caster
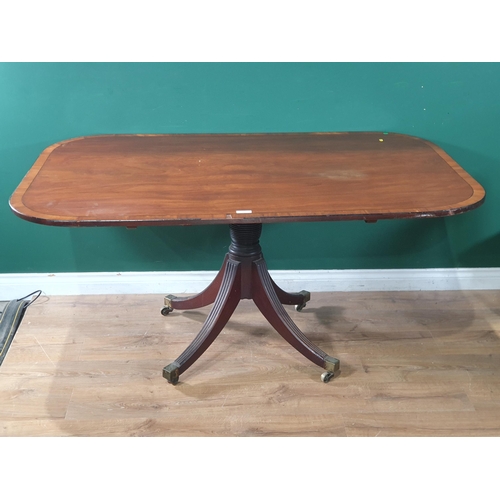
{"x": 171, "y": 373}
{"x": 168, "y": 305}
{"x": 166, "y": 311}
{"x": 327, "y": 376}
{"x": 307, "y": 298}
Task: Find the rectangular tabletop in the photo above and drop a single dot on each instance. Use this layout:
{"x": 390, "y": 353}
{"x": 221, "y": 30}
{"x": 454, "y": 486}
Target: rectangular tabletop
{"x": 135, "y": 180}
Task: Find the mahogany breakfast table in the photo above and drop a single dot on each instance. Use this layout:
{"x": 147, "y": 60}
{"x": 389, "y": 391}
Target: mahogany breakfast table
{"x": 243, "y": 180}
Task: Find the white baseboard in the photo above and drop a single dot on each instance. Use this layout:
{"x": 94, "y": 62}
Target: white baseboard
{"x": 18, "y": 285}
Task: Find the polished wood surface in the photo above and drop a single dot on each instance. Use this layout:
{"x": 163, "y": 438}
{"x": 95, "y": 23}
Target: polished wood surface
{"x": 414, "y": 364}
{"x": 136, "y": 180}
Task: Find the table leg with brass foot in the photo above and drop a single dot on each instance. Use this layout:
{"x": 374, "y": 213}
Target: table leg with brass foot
{"x": 266, "y": 299}
{"x": 298, "y": 300}
{"x": 226, "y": 301}
{"x": 202, "y": 299}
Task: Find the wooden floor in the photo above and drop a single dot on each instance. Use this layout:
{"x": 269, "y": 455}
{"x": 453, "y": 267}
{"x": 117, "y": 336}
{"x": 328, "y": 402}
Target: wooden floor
{"x": 413, "y": 364}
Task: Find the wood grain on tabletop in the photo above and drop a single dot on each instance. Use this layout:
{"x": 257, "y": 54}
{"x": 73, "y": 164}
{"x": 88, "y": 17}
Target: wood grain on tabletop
{"x": 227, "y": 178}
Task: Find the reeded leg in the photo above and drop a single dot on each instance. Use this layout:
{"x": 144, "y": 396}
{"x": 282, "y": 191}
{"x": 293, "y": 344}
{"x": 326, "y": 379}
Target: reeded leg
{"x": 267, "y": 300}
{"x": 202, "y": 299}
{"x": 226, "y": 301}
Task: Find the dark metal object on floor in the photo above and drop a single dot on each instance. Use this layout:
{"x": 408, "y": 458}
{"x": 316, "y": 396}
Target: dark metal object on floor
{"x": 11, "y": 315}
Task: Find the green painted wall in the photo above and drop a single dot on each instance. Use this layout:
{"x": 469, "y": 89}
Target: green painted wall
{"x": 455, "y": 105}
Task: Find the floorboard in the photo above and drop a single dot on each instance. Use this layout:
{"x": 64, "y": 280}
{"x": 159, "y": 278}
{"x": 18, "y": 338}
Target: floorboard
{"x": 413, "y": 364}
